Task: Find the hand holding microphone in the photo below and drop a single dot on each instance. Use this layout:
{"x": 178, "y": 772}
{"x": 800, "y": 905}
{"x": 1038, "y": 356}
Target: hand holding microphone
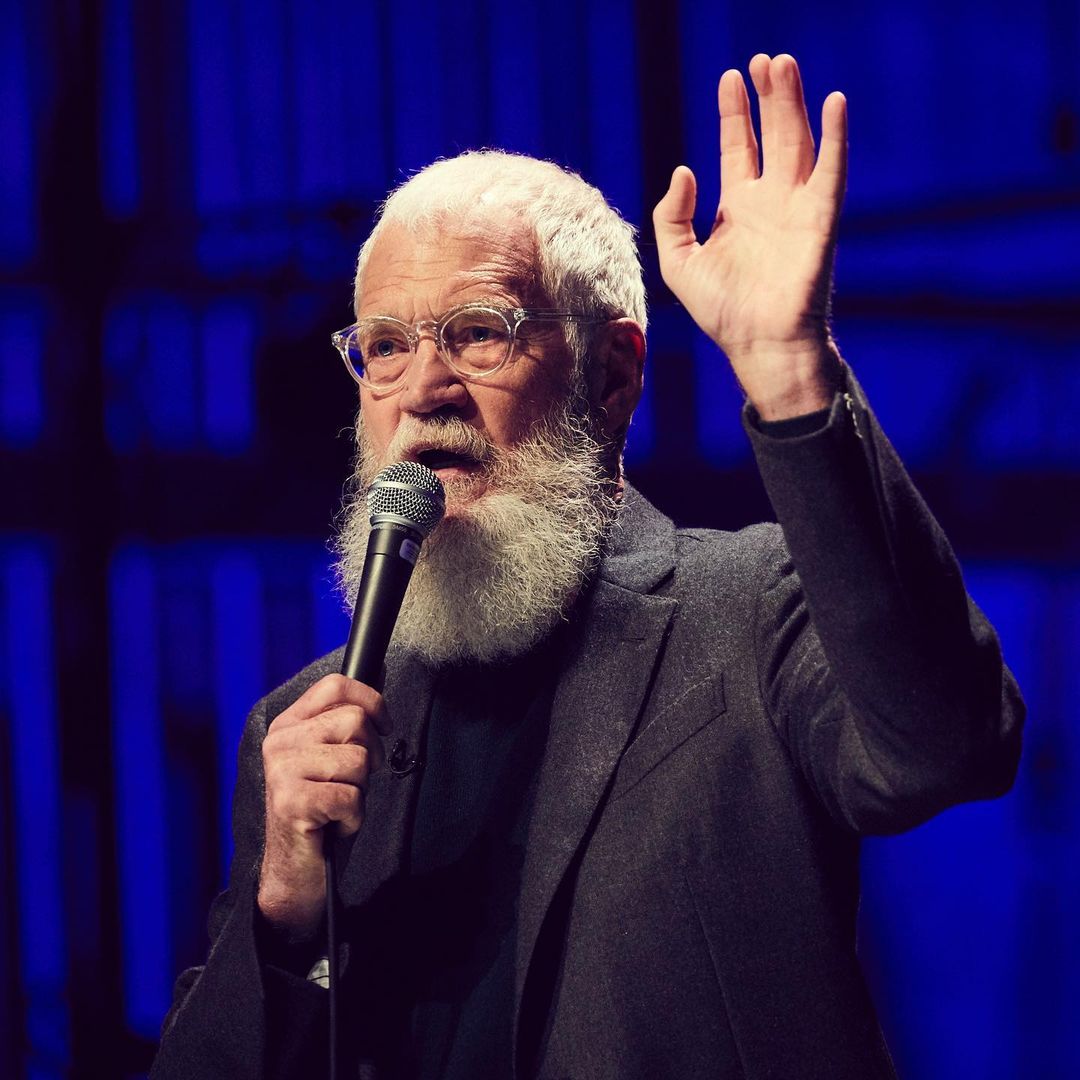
{"x": 317, "y": 757}
{"x": 319, "y": 753}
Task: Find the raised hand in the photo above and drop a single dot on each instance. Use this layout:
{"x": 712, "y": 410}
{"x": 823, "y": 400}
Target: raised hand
{"x": 759, "y": 285}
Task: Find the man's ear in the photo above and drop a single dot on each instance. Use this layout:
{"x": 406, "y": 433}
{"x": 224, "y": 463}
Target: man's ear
{"x": 617, "y": 360}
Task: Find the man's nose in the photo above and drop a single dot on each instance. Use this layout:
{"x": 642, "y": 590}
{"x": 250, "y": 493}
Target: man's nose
{"x": 430, "y": 383}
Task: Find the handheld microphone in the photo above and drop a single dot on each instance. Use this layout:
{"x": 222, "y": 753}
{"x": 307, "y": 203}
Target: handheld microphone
{"x": 406, "y": 501}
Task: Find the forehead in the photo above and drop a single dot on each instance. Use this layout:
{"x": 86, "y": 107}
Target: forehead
{"x": 416, "y": 273}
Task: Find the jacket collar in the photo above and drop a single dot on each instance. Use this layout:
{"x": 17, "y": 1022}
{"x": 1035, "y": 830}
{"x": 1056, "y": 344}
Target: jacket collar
{"x": 641, "y": 548}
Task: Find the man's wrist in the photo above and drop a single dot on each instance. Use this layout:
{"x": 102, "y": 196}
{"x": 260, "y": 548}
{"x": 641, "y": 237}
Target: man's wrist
{"x": 790, "y": 380}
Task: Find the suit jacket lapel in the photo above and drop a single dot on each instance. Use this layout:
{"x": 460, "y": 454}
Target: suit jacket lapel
{"x": 606, "y": 678}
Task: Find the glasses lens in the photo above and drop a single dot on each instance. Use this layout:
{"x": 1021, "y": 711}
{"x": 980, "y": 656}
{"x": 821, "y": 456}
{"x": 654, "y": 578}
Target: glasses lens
{"x": 477, "y": 340}
{"x": 379, "y": 350}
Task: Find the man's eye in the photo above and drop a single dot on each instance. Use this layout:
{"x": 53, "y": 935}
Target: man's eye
{"x": 471, "y": 330}
{"x": 383, "y": 346}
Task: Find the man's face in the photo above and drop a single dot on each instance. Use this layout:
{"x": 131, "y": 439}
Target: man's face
{"x": 416, "y": 277}
{"x": 528, "y": 471}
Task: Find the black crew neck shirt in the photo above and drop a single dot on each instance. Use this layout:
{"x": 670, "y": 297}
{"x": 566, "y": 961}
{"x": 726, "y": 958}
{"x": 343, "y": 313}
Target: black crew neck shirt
{"x": 484, "y": 742}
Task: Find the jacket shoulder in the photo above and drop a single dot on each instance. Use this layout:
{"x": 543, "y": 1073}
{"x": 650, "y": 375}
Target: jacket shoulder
{"x": 730, "y": 562}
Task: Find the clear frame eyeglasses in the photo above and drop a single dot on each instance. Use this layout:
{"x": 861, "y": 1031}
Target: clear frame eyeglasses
{"x": 475, "y": 341}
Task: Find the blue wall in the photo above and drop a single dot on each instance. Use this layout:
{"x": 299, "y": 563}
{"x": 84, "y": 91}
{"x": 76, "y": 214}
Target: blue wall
{"x": 184, "y": 186}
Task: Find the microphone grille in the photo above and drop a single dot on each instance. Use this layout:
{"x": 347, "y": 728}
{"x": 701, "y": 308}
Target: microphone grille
{"x": 407, "y": 493}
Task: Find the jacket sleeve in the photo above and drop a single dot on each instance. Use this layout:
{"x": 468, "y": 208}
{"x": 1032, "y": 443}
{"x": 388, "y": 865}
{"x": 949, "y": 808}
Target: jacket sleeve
{"x": 883, "y": 678}
{"x": 244, "y": 1013}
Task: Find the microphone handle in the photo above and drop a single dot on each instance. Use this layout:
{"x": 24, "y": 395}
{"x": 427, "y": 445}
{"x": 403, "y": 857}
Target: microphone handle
{"x": 391, "y": 555}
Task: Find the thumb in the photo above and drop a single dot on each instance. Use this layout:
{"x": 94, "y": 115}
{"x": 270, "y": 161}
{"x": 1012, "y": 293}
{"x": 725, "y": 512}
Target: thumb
{"x": 673, "y": 219}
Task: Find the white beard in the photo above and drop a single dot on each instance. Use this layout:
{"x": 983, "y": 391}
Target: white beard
{"x": 504, "y": 567}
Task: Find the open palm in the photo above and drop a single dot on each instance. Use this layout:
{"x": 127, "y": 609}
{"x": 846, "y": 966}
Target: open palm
{"x": 759, "y": 285}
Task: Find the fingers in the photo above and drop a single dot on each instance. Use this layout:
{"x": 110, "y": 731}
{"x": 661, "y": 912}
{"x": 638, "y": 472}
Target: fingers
{"x": 786, "y": 141}
{"x": 342, "y": 725}
{"x": 830, "y": 173}
{"x": 319, "y": 762}
{"x": 311, "y": 783}
{"x": 331, "y": 691}
{"x": 345, "y": 805}
{"x": 738, "y": 144}
{"x": 305, "y": 807}
{"x": 319, "y": 753}
{"x": 673, "y": 220}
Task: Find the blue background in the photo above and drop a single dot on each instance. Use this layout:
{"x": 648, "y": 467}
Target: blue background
{"x": 183, "y": 189}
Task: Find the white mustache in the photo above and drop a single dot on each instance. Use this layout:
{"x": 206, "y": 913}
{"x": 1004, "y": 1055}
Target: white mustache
{"x": 450, "y": 433}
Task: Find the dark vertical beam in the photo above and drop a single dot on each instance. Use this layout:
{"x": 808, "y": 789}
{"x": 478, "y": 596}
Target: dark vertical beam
{"x": 663, "y": 146}
{"x": 79, "y": 263}
{"x": 663, "y": 139}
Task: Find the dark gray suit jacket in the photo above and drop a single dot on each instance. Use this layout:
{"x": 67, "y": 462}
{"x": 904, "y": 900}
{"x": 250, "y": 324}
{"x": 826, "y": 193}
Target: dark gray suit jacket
{"x": 735, "y": 711}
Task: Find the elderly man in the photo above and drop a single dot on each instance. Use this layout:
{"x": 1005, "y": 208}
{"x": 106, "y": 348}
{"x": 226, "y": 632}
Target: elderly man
{"x": 618, "y": 832}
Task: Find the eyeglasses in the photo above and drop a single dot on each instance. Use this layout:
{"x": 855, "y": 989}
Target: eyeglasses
{"x": 475, "y": 340}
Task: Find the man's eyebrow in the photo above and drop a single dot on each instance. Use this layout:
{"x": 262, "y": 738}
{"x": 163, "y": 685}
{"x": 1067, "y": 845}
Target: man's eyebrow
{"x": 495, "y": 300}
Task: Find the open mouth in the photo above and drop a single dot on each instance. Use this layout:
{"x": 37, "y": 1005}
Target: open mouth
{"x": 444, "y": 459}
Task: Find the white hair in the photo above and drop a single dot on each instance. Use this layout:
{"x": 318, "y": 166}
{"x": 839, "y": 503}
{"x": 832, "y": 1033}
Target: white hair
{"x": 586, "y": 254}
